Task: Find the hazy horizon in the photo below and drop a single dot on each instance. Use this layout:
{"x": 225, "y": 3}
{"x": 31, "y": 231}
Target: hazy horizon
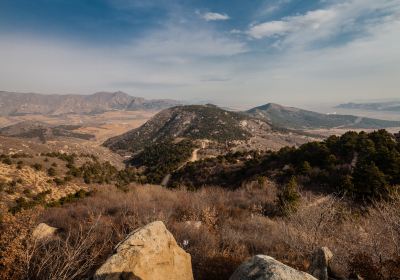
{"x": 229, "y": 52}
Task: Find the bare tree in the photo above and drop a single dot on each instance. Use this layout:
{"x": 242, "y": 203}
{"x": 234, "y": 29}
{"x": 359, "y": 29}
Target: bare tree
{"x": 71, "y": 257}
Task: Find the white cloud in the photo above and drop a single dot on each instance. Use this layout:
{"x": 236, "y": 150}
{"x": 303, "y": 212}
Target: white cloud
{"x": 271, "y": 7}
{"x": 310, "y": 20}
{"x": 215, "y": 16}
{"x": 365, "y": 68}
{"x": 268, "y": 29}
{"x": 343, "y": 17}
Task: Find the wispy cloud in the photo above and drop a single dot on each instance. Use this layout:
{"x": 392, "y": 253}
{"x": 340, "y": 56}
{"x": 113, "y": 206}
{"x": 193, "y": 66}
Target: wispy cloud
{"x": 161, "y": 62}
{"x": 214, "y": 16}
{"x": 311, "y": 20}
{"x": 353, "y": 17}
{"x": 271, "y": 7}
{"x": 178, "y": 41}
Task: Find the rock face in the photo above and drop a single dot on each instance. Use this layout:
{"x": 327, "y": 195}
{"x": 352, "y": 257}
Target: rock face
{"x": 263, "y": 267}
{"x": 43, "y": 231}
{"x": 320, "y": 263}
{"x": 148, "y": 253}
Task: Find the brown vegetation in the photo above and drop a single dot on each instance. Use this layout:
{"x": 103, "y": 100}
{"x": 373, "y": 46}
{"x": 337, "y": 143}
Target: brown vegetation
{"x": 219, "y": 228}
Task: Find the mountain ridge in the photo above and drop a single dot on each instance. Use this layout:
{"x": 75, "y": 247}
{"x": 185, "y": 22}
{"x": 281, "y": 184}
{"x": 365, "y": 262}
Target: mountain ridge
{"x": 15, "y": 103}
{"x": 390, "y": 106}
{"x": 207, "y": 123}
{"x": 296, "y": 118}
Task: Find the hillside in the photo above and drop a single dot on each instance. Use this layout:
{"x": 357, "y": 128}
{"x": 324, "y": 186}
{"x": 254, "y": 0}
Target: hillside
{"x": 393, "y": 106}
{"x": 294, "y": 118}
{"x": 206, "y": 122}
{"x": 13, "y": 103}
{"x": 194, "y": 121}
{"x": 43, "y": 131}
{"x": 363, "y": 166}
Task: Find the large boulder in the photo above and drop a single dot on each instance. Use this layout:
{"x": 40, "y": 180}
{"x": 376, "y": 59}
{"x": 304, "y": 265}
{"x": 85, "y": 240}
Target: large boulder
{"x": 263, "y": 267}
{"x": 148, "y": 253}
{"x": 43, "y": 231}
{"x": 320, "y": 263}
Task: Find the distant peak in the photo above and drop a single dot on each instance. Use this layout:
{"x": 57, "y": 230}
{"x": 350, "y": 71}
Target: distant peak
{"x": 269, "y": 106}
{"x": 109, "y": 93}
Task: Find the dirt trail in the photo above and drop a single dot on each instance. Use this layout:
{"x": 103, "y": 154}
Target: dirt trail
{"x": 193, "y": 158}
{"x": 194, "y": 155}
{"x": 318, "y": 201}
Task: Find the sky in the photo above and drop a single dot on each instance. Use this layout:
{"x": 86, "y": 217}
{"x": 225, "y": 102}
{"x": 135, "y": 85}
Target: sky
{"x": 229, "y": 52}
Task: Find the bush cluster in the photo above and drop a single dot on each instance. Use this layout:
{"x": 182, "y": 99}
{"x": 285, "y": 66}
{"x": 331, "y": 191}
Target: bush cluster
{"x": 22, "y": 203}
{"x": 365, "y": 166}
{"x": 163, "y": 158}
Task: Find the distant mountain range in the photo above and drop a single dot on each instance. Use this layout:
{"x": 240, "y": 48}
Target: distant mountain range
{"x": 14, "y": 103}
{"x": 295, "y": 118}
{"x": 392, "y": 106}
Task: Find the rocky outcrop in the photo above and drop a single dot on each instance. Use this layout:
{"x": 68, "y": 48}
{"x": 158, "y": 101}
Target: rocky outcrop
{"x": 43, "y": 231}
{"x": 263, "y": 267}
{"x": 148, "y": 253}
{"x": 320, "y": 263}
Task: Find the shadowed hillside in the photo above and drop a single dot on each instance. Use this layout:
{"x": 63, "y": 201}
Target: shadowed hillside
{"x": 210, "y": 123}
{"x": 193, "y": 121}
{"x": 43, "y": 131}
{"x": 290, "y": 117}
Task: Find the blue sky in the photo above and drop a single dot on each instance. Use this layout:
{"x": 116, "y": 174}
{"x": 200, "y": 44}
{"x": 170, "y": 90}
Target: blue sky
{"x": 233, "y": 52}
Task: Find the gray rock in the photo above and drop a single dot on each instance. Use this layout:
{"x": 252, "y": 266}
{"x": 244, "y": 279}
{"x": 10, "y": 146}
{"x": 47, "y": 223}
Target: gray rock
{"x": 320, "y": 263}
{"x": 263, "y": 267}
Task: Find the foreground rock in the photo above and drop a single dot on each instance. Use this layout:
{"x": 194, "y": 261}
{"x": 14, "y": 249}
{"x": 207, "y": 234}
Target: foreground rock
{"x": 263, "y": 267}
{"x": 320, "y": 263}
{"x": 43, "y": 231}
{"x": 149, "y": 253}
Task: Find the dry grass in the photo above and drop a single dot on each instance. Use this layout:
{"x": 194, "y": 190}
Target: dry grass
{"x": 233, "y": 226}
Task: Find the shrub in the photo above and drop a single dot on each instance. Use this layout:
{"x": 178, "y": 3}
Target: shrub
{"x": 51, "y": 172}
{"x": 369, "y": 182}
{"x": 58, "y": 181}
{"x": 37, "y": 166}
{"x": 289, "y": 197}
{"x": 7, "y": 161}
{"x": 20, "y": 164}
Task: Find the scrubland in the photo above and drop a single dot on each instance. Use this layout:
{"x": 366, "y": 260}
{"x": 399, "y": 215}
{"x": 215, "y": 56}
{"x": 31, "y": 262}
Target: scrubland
{"x": 219, "y": 228}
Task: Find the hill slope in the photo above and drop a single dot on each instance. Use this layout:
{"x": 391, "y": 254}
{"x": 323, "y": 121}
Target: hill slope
{"x": 43, "y": 131}
{"x": 225, "y": 129}
{"x": 193, "y": 121}
{"x": 294, "y": 118}
{"x": 14, "y": 103}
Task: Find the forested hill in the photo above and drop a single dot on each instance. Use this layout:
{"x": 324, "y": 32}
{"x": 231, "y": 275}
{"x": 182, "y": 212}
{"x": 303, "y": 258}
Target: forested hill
{"x": 362, "y": 165}
{"x": 192, "y": 121}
